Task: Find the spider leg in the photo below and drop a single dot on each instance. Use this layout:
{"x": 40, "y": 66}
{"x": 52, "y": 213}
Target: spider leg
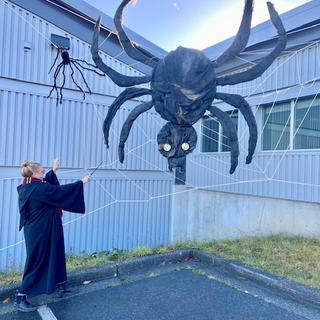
{"x": 63, "y": 83}
{"x": 55, "y": 76}
{"x": 54, "y": 87}
{"x": 125, "y": 95}
{"x": 231, "y": 132}
{"x": 133, "y": 115}
{"x": 76, "y": 61}
{"x": 84, "y": 61}
{"x": 128, "y": 47}
{"x": 83, "y": 78}
{"x": 56, "y": 73}
{"x": 118, "y": 78}
{"x": 240, "y": 103}
{"x": 55, "y": 60}
{"x": 264, "y": 64}
{"x": 74, "y": 81}
{"x": 241, "y": 39}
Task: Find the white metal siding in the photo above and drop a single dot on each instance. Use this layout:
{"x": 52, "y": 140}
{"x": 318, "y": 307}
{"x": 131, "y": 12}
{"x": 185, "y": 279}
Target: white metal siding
{"x": 20, "y": 27}
{"x": 292, "y": 69}
{"x": 294, "y": 175}
{"x": 121, "y": 212}
{"x": 34, "y": 128}
{"x": 128, "y": 207}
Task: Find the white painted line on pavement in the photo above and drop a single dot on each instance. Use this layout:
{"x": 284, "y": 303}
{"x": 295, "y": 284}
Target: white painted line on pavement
{"x": 46, "y": 313}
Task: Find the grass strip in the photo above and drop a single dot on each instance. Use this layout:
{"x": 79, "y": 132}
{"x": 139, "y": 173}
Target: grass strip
{"x": 295, "y": 258}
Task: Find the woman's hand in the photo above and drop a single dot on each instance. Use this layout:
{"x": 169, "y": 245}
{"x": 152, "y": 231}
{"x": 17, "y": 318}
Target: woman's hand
{"x": 85, "y": 179}
{"x": 56, "y": 165}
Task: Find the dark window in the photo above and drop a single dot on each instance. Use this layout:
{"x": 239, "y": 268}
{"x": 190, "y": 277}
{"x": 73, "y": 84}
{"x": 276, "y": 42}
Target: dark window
{"x": 307, "y": 124}
{"x": 210, "y": 135}
{"x": 276, "y": 127}
{"x": 225, "y": 146}
{"x": 213, "y": 137}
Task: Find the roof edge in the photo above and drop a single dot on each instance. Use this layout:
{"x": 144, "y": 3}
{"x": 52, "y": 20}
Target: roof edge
{"x": 292, "y": 20}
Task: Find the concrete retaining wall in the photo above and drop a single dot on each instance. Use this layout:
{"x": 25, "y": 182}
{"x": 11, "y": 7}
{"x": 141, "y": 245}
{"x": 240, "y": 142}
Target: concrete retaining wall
{"x": 200, "y": 215}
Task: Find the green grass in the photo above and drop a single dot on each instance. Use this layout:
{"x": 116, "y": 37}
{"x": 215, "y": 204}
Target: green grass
{"x": 10, "y": 278}
{"x": 296, "y": 258}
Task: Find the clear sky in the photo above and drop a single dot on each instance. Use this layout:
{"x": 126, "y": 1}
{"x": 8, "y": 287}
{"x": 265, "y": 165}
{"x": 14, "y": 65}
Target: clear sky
{"x": 190, "y": 23}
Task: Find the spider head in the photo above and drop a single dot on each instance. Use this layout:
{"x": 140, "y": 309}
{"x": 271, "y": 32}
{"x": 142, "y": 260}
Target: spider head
{"x": 175, "y": 142}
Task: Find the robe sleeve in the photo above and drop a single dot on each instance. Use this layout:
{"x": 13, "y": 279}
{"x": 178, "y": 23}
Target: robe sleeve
{"x": 52, "y": 178}
{"x": 68, "y": 197}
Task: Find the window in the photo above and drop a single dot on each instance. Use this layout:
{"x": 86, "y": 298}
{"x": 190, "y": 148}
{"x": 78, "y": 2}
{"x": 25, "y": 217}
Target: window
{"x": 213, "y": 137}
{"x": 292, "y": 125}
{"x": 210, "y": 135}
{"x": 307, "y": 124}
{"x": 276, "y": 127}
{"x": 225, "y": 146}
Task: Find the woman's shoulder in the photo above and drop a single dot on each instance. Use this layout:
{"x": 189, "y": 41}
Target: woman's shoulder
{"x": 44, "y": 186}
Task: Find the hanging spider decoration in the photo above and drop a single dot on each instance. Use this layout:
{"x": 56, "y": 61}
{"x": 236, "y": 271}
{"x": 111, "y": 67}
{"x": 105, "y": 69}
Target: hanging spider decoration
{"x": 73, "y": 64}
{"x": 183, "y": 87}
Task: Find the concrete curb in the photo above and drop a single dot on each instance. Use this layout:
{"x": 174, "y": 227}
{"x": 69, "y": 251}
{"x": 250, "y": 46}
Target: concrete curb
{"x": 288, "y": 288}
{"x": 144, "y": 262}
{"x": 111, "y": 270}
{"x": 293, "y": 290}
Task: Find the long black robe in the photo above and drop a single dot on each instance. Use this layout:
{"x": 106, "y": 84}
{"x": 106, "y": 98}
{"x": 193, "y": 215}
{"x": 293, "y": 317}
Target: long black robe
{"x": 39, "y": 205}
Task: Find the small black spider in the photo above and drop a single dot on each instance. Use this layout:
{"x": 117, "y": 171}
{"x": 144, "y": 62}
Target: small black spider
{"x": 74, "y": 64}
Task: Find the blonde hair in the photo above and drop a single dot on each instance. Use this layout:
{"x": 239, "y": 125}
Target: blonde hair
{"x": 29, "y": 168}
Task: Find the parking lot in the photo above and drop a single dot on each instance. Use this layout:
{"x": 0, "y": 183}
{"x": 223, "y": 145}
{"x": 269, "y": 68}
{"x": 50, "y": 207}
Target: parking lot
{"x": 180, "y": 291}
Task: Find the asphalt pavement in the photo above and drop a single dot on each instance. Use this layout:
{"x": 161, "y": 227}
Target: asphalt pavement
{"x": 181, "y": 291}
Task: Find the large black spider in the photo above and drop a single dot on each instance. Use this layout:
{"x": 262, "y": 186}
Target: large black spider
{"x": 183, "y": 87}
{"x": 73, "y": 64}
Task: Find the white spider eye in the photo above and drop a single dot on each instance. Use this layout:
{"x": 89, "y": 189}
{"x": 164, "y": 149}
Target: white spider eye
{"x": 166, "y": 147}
{"x": 185, "y": 146}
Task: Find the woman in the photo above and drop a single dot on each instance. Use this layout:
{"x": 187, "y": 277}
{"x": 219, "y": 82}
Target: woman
{"x": 41, "y": 201}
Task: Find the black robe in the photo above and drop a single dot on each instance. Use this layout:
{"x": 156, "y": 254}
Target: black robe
{"x": 39, "y": 205}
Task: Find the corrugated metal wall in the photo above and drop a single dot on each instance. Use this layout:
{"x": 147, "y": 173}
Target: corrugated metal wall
{"x": 126, "y": 208}
{"x": 32, "y": 65}
{"x": 121, "y": 212}
{"x": 73, "y": 131}
{"x": 293, "y": 174}
{"x": 291, "y": 69}
{"x": 280, "y": 175}
{"x": 131, "y": 207}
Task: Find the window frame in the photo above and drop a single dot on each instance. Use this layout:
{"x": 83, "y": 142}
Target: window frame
{"x": 220, "y": 133}
{"x": 293, "y": 103}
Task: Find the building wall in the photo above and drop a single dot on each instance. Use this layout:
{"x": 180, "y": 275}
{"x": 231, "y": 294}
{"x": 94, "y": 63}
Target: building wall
{"x": 287, "y": 174}
{"x": 295, "y": 67}
{"x": 127, "y": 205}
{"x": 122, "y": 212}
{"x": 132, "y": 206}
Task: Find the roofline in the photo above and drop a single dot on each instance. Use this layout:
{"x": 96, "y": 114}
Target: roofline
{"x": 87, "y": 10}
{"x": 78, "y": 18}
{"x": 292, "y": 20}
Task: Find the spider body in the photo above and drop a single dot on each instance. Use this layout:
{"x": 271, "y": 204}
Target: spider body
{"x": 183, "y": 86}
{"x": 65, "y": 57}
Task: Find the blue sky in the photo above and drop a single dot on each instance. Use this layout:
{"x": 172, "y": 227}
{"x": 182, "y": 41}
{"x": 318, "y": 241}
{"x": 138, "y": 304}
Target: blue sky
{"x": 190, "y": 23}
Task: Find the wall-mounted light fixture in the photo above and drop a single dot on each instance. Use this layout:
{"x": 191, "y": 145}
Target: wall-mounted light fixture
{"x": 61, "y": 42}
